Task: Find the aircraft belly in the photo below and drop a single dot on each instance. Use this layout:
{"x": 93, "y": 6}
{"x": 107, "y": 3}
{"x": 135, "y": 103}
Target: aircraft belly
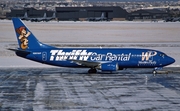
{"x": 128, "y": 64}
{"x": 63, "y": 64}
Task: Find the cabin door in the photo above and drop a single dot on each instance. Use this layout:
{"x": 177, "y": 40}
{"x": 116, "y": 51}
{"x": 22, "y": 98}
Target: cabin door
{"x": 44, "y": 56}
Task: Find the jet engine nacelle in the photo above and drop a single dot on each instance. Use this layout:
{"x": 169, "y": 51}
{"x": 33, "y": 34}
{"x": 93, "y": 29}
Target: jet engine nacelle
{"x": 109, "y": 67}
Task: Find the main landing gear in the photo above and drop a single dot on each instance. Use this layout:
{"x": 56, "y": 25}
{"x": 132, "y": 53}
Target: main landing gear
{"x": 92, "y": 70}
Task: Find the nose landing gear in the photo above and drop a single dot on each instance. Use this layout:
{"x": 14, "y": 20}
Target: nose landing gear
{"x": 155, "y": 70}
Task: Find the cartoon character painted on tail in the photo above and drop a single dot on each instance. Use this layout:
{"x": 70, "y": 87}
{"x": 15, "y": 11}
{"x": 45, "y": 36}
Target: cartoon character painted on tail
{"x": 23, "y": 35}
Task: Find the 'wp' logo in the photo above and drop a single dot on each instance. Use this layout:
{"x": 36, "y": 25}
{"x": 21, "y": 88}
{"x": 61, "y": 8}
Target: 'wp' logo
{"x": 148, "y": 55}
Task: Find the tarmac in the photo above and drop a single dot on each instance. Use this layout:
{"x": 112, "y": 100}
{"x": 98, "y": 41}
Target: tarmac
{"x": 30, "y": 86}
{"x": 68, "y": 89}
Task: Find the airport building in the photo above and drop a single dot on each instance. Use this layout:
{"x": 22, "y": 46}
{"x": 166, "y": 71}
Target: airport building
{"x": 31, "y": 12}
{"x": 147, "y": 14}
{"x": 73, "y": 13}
{"x": 81, "y": 13}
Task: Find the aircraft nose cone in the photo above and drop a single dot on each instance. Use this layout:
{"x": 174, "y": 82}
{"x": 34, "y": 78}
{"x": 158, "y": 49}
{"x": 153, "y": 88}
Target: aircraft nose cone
{"x": 171, "y": 60}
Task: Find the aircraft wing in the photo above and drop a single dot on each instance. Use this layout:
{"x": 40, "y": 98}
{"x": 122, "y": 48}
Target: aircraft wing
{"x": 86, "y": 63}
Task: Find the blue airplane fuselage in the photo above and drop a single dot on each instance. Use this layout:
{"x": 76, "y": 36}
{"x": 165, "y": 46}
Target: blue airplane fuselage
{"x": 104, "y": 59}
{"x": 124, "y": 57}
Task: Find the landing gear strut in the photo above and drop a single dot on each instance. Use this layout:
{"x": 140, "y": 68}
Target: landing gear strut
{"x": 154, "y": 72}
{"x": 92, "y": 70}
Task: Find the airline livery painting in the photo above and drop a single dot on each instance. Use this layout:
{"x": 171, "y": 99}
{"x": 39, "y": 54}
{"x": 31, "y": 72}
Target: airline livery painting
{"x": 23, "y": 35}
{"x": 104, "y": 59}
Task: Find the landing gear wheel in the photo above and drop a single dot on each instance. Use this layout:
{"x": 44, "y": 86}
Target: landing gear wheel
{"x": 154, "y": 72}
{"x": 90, "y": 71}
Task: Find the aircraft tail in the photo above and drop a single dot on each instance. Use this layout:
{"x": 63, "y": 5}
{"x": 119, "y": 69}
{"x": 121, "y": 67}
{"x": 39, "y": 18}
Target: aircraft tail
{"x": 54, "y": 15}
{"x": 44, "y": 16}
{"x": 25, "y": 15}
{"x": 102, "y": 15}
{"x": 25, "y": 37}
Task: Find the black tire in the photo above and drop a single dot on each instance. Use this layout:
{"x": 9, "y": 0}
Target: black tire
{"x": 90, "y": 71}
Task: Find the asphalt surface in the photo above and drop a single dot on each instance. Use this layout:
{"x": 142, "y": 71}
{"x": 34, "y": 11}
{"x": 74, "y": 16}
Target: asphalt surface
{"x": 69, "y": 89}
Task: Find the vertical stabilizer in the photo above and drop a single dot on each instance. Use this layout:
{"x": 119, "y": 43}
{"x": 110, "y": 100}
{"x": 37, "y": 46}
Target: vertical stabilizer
{"x": 45, "y": 15}
{"x": 25, "y": 37}
{"x": 102, "y": 15}
{"x": 54, "y": 15}
{"x": 25, "y": 15}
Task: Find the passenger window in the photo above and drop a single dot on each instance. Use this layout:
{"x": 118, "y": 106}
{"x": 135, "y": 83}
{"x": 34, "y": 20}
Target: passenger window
{"x": 162, "y": 55}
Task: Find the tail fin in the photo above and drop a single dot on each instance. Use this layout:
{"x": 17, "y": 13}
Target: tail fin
{"x": 54, "y": 15}
{"x": 25, "y": 15}
{"x": 102, "y": 15}
{"x": 25, "y": 37}
{"x": 44, "y": 16}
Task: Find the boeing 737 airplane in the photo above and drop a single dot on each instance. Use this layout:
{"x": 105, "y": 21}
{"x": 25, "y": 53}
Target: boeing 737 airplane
{"x": 104, "y": 59}
{"x": 38, "y": 19}
{"x": 44, "y": 18}
{"x": 95, "y": 19}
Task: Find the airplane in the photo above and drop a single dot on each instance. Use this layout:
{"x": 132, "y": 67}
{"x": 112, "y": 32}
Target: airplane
{"x": 44, "y": 18}
{"x": 24, "y": 17}
{"x": 104, "y": 59}
{"x": 102, "y": 18}
{"x": 172, "y": 19}
{"x": 50, "y": 18}
{"x": 176, "y": 19}
{"x": 38, "y": 19}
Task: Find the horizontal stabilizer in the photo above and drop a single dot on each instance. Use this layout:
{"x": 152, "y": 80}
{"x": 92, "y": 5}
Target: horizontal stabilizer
{"x": 20, "y": 51}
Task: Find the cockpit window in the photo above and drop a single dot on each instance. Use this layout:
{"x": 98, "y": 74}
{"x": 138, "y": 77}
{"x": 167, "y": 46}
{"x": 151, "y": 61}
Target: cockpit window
{"x": 162, "y": 54}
